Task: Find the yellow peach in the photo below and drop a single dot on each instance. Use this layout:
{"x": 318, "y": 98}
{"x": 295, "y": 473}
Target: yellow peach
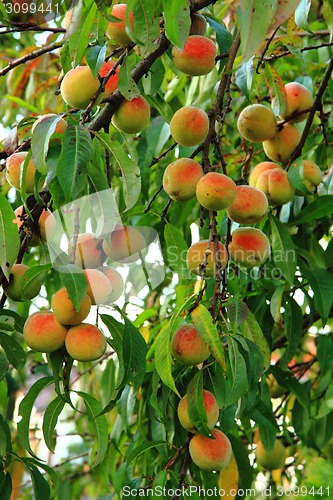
{"x": 85, "y": 342}
{"x": 43, "y": 332}
{"x": 211, "y": 407}
{"x": 14, "y": 169}
{"x": 257, "y": 123}
{"x": 249, "y": 246}
{"x": 249, "y": 207}
{"x": 196, "y": 254}
{"x": 132, "y": 116}
{"x": 14, "y": 288}
{"x": 99, "y": 287}
{"x": 298, "y": 99}
{"x": 189, "y": 126}
{"x": 65, "y": 311}
{"x": 197, "y": 57}
{"x": 79, "y": 86}
{"x": 211, "y": 453}
{"x": 216, "y": 191}
{"x": 124, "y": 244}
{"x": 180, "y": 179}
{"x": 187, "y": 346}
{"x": 117, "y": 29}
{"x": 282, "y": 145}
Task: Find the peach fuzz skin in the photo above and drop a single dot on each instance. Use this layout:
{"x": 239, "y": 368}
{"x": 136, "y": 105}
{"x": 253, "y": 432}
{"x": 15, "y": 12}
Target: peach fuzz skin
{"x": 187, "y": 346}
{"x": 249, "y": 207}
{"x": 211, "y": 454}
{"x": 13, "y": 289}
{"x": 216, "y": 191}
{"x": 64, "y": 309}
{"x": 43, "y": 332}
{"x": 78, "y": 87}
{"x": 298, "y": 99}
{"x": 271, "y": 460}
{"x": 257, "y": 123}
{"x": 249, "y": 246}
{"x": 281, "y": 146}
{"x": 117, "y": 29}
{"x": 116, "y": 281}
{"x": 124, "y": 244}
{"x": 13, "y": 171}
{"x": 99, "y": 287}
{"x": 88, "y": 252}
{"x": 112, "y": 82}
{"x": 196, "y": 253}
{"x": 211, "y": 407}
{"x": 275, "y": 184}
{"x": 259, "y": 169}
{"x": 85, "y": 342}
{"x": 180, "y": 179}
{"x": 189, "y": 126}
{"x": 132, "y": 116}
{"x": 197, "y": 57}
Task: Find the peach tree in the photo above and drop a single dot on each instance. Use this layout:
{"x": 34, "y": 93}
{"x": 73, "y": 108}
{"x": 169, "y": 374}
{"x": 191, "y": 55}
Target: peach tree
{"x": 166, "y": 249}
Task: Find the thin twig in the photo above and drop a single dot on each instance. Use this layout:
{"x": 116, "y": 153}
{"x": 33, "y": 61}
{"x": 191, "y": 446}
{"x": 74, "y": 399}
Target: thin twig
{"x": 28, "y": 57}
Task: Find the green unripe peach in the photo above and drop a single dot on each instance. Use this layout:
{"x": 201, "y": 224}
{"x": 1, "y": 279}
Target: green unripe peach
{"x": 14, "y": 169}
{"x": 211, "y": 454}
{"x": 64, "y": 309}
{"x": 198, "y": 24}
{"x": 116, "y": 281}
{"x": 117, "y": 29}
{"x": 88, "y": 251}
{"x": 249, "y": 246}
{"x": 273, "y": 459}
{"x": 198, "y": 56}
{"x": 249, "y": 207}
{"x": 43, "y": 332}
{"x": 259, "y": 169}
{"x": 180, "y": 179}
{"x": 211, "y": 407}
{"x": 298, "y": 99}
{"x": 282, "y": 145}
{"x": 99, "y": 287}
{"x": 187, "y": 346}
{"x": 196, "y": 254}
{"x": 216, "y": 191}
{"x": 257, "y": 123}
{"x": 189, "y": 126}
{"x": 132, "y": 116}
{"x": 79, "y": 86}
{"x": 275, "y": 184}
{"x": 85, "y": 342}
{"x": 124, "y": 244}
{"x": 14, "y": 289}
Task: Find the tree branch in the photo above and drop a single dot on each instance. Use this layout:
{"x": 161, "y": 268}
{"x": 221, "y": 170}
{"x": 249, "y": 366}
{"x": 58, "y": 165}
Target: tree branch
{"x": 28, "y": 57}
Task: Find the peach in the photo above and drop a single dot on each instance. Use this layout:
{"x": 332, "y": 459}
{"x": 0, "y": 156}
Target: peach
{"x": 64, "y": 309}
{"x": 259, "y": 169}
{"x": 211, "y": 454}
{"x": 14, "y": 168}
{"x": 13, "y": 289}
{"x": 112, "y": 82}
{"x": 117, "y": 29}
{"x": 117, "y": 283}
{"x": 196, "y": 254}
{"x": 132, "y": 116}
{"x": 249, "y": 207}
{"x": 257, "y": 123}
{"x": 79, "y": 86}
{"x": 216, "y": 191}
{"x": 198, "y": 24}
{"x": 43, "y": 332}
{"x": 188, "y": 347}
{"x": 124, "y": 244}
{"x": 60, "y": 126}
{"x": 249, "y": 246}
{"x": 89, "y": 251}
{"x": 180, "y": 179}
{"x": 298, "y": 99}
{"x": 46, "y": 224}
{"x": 276, "y": 186}
{"x": 211, "y": 407}
{"x": 189, "y": 126}
{"x": 311, "y": 175}
{"x": 99, "y": 287}
{"x": 273, "y": 459}
{"x": 283, "y": 144}
{"x": 197, "y": 57}
{"x": 85, "y": 342}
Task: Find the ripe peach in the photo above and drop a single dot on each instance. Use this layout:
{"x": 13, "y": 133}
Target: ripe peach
{"x": 116, "y": 281}
{"x": 189, "y": 126}
{"x": 13, "y": 289}
{"x": 124, "y": 244}
{"x": 276, "y": 186}
{"x": 112, "y": 82}
{"x": 257, "y": 123}
{"x": 89, "y": 251}
{"x": 132, "y": 116}
{"x": 216, "y": 191}
{"x": 249, "y": 246}
{"x": 249, "y": 207}
{"x": 64, "y": 309}
{"x": 60, "y": 126}
{"x": 212, "y": 412}
{"x": 211, "y": 454}
{"x": 43, "y": 332}
{"x": 198, "y": 24}
{"x": 99, "y": 287}
{"x": 14, "y": 166}
{"x": 312, "y": 175}
{"x": 196, "y": 253}
{"x": 46, "y": 224}
{"x": 259, "y": 169}
{"x": 117, "y": 29}
{"x": 273, "y": 459}
{"x": 78, "y": 87}
{"x": 180, "y": 179}
{"x": 188, "y": 347}
{"x": 282, "y": 145}
{"x": 85, "y": 342}
{"x": 197, "y": 57}
{"x": 299, "y": 99}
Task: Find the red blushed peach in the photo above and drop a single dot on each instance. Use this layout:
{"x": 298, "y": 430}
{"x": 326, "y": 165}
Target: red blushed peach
{"x": 85, "y": 342}
{"x": 198, "y": 56}
{"x": 249, "y": 246}
{"x": 249, "y": 207}
{"x": 132, "y": 116}
{"x": 64, "y": 309}
{"x": 299, "y": 99}
{"x": 189, "y": 126}
{"x": 187, "y": 346}
{"x": 99, "y": 287}
{"x": 117, "y": 283}
{"x": 88, "y": 252}
{"x": 14, "y": 166}
{"x": 257, "y": 123}
{"x": 79, "y": 86}
{"x": 273, "y": 459}
{"x": 117, "y": 29}
{"x": 180, "y": 179}
{"x": 283, "y": 144}
{"x": 60, "y": 126}
{"x": 43, "y": 332}
{"x": 112, "y": 82}
{"x": 196, "y": 254}
{"x": 216, "y": 191}
{"x": 211, "y": 407}
{"x": 124, "y": 244}
{"x": 259, "y": 169}
{"x": 275, "y": 184}
{"x": 211, "y": 454}
{"x": 14, "y": 289}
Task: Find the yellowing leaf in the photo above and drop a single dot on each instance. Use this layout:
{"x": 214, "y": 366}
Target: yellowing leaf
{"x": 228, "y": 480}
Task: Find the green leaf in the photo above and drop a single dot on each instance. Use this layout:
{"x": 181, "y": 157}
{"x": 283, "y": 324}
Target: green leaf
{"x": 40, "y": 485}
{"x": 134, "y": 354}
{"x": 176, "y": 250}
{"x": 287, "y": 379}
{"x": 268, "y": 427}
{"x": 116, "y": 330}
{"x": 237, "y": 312}
{"x": 40, "y": 141}
{"x": 293, "y": 321}
{"x": 284, "y": 252}
{"x": 5, "y": 486}
{"x": 276, "y": 302}
{"x": 327, "y": 10}
{"x": 296, "y": 176}
{"x": 25, "y": 410}
{"x": 223, "y": 37}
{"x": 9, "y": 237}
{"x": 322, "y": 206}
{"x": 4, "y": 365}
{"x": 14, "y": 352}
{"x": 177, "y": 21}
{"x": 50, "y": 420}
{"x": 195, "y": 404}
{"x": 141, "y": 448}
{"x": 79, "y": 39}
{"x": 276, "y": 90}
{"x": 321, "y": 282}
{"x": 250, "y": 329}
{"x": 76, "y": 284}
{"x": 244, "y": 77}
{"x": 99, "y": 424}
{"x": 237, "y": 374}
{"x": 95, "y": 58}
{"x": 146, "y": 24}
{"x": 301, "y": 14}
{"x": 126, "y": 85}
{"x": 31, "y": 274}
